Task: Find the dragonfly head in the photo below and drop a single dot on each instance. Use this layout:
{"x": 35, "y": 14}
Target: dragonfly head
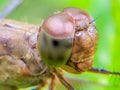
{"x": 68, "y": 40}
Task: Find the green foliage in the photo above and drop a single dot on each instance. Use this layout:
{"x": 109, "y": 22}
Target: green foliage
{"x": 3, "y": 4}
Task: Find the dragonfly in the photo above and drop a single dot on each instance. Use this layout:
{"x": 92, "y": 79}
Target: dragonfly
{"x": 30, "y": 54}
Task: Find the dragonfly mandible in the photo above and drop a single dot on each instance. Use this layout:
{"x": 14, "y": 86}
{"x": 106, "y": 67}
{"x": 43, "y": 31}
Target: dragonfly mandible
{"x": 30, "y": 54}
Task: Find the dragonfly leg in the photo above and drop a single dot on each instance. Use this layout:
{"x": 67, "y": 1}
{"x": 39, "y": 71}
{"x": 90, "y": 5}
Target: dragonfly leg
{"x": 103, "y": 71}
{"x": 63, "y": 81}
{"x": 53, "y": 81}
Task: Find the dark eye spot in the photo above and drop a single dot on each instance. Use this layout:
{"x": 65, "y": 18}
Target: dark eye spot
{"x": 55, "y": 43}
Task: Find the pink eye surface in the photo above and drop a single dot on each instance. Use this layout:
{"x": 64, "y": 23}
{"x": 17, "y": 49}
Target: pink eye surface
{"x": 59, "y": 25}
{"x": 81, "y": 18}
{"x": 77, "y": 14}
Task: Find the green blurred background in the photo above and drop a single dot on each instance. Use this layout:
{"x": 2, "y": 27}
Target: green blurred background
{"x": 107, "y": 17}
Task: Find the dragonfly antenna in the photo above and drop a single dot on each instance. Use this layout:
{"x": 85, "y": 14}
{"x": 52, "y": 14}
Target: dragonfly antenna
{"x": 103, "y": 71}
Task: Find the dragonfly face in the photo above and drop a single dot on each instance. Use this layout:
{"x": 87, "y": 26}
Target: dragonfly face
{"x": 56, "y": 45}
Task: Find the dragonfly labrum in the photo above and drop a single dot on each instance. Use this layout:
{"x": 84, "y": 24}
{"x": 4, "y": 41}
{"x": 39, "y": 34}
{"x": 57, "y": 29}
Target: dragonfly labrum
{"x": 30, "y": 54}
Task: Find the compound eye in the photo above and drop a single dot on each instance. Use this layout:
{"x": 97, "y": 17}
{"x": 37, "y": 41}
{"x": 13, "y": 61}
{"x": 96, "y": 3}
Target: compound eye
{"x": 77, "y": 14}
{"x": 55, "y": 49}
